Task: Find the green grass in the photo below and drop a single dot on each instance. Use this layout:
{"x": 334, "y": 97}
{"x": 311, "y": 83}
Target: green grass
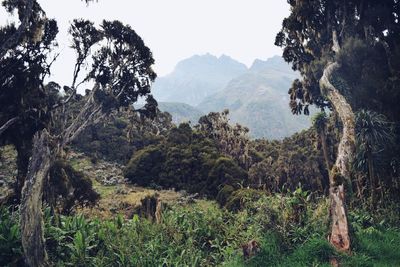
{"x": 203, "y": 234}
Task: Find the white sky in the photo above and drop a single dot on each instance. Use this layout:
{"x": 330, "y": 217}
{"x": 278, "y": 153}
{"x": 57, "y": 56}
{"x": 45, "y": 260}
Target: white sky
{"x": 177, "y": 29}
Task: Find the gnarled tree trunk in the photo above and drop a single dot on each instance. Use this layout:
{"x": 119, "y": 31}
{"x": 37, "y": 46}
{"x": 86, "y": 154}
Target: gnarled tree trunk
{"x": 339, "y": 237}
{"x": 43, "y": 155}
{"x": 32, "y": 234}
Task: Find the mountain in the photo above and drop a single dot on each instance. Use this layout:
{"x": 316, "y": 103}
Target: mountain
{"x": 256, "y": 97}
{"x": 196, "y": 78}
{"x": 259, "y": 100}
{"x": 181, "y": 112}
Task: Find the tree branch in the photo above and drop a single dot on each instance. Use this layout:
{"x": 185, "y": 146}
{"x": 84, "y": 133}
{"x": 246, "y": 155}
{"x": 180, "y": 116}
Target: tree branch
{"x": 8, "y": 124}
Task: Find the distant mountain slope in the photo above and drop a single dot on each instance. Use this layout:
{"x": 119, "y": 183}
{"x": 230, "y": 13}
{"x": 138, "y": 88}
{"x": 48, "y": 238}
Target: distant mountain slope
{"x": 258, "y": 99}
{"x": 196, "y": 78}
{"x": 181, "y": 112}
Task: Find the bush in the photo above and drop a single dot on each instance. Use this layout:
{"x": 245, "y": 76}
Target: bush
{"x": 185, "y": 160}
{"x": 63, "y": 180}
{"x": 145, "y": 166}
{"x": 225, "y": 171}
{"x": 241, "y": 198}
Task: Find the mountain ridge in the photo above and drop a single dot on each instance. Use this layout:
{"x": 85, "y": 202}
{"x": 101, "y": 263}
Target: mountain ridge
{"x": 198, "y": 77}
{"x": 257, "y": 97}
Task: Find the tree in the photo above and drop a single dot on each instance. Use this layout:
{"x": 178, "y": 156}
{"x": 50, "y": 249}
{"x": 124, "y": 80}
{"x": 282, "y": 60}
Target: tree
{"x": 120, "y": 71}
{"x": 24, "y": 101}
{"x": 232, "y": 141}
{"x": 374, "y": 133}
{"x": 317, "y": 39}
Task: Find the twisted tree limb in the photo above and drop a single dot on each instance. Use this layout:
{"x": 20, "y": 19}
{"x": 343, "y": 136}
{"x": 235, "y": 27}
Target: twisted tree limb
{"x": 8, "y": 124}
{"x": 339, "y": 237}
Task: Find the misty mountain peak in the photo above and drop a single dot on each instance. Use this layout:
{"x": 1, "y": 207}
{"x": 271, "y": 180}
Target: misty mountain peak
{"x": 273, "y": 63}
{"x": 209, "y": 62}
{"x": 197, "y": 77}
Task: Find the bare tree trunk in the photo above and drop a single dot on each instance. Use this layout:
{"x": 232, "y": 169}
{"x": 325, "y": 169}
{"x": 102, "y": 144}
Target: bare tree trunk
{"x": 32, "y": 234}
{"x": 339, "y": 237}
{"x": 39, "y": 166}
{"x": 372, "y": 179}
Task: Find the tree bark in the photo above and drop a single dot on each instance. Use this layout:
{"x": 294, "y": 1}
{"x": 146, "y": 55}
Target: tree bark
{"x": 43, "y": 155}
{"x": 339, "y": 236}
{"x": 32, "y": 234}
{"x": 8, "y": 124}
{"x": 372, "y": 179}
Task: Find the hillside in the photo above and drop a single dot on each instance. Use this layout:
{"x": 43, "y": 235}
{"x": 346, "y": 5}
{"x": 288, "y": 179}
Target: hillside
{"x": 258, "y": 99}
{"x": 196, "y": 78}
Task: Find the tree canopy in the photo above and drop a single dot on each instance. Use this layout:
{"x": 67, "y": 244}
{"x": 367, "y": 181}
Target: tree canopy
{"x": 367, "y": 32}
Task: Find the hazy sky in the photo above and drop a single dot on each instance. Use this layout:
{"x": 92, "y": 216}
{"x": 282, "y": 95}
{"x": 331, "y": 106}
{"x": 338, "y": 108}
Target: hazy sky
{"x": 177, "y": 29}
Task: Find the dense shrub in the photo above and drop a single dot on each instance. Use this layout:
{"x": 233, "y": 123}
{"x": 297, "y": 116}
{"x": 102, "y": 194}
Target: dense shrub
{"x": 241, "y": 198}
{"x": 185, "y": 160}
{"x": 68, "y": 188}
{"x": 106, "y": 140}
{"x": 144, "y": 167}
{"x": 121, "y": 134}
{"x": 286, "y": 164}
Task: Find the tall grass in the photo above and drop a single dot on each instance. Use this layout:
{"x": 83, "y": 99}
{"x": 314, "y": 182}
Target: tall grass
{"x": 291, "y": 231}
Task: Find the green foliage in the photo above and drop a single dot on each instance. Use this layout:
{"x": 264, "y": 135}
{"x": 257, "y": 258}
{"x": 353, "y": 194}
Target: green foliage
{"x": 225, "y": 172}
{"x": 121, "y": 134}
{"x": 10, "y": 238}
{"x": 291, "y": 230}
{"x": 368, "y": 59}
{"x": 243, "y": 197}
{"x": 286, "y": 164}
{"x": 375, "y": 144}
{"x": 232, "y": 141}
{"x": 68, "y": 187}
{"x": 319, "y": 121}
{"x": 107, "y": 141}
{"x": 144, "y": 166}
{"x": 185, "y": 160}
